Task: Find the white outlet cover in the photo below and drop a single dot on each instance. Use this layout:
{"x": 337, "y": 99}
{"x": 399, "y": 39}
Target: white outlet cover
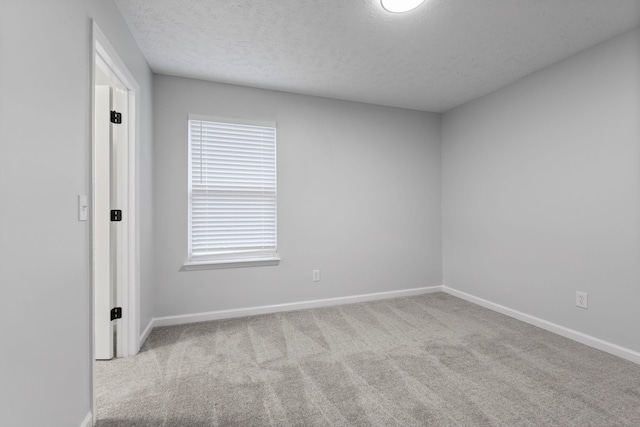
{"x": 582, "y": 299}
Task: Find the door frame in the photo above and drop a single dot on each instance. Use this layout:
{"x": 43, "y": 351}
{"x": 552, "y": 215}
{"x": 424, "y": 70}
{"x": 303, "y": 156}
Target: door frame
{"x": 128, "y": 274}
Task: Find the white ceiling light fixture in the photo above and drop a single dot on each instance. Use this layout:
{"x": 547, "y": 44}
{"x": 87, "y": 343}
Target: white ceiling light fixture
{"x": 398, "y": 6}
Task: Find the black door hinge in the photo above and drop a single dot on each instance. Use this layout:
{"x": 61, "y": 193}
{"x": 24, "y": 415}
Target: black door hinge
{"x": 116, "y": 117}
{"x": 116, "y": 215}
{"x": 116, "y": 313}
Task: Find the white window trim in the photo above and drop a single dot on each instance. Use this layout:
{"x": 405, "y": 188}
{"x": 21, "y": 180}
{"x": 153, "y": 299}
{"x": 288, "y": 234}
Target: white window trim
{"x": 231, "y": 263}
{"x": 234, "y": 261}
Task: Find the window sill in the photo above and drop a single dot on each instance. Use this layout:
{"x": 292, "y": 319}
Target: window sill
{"x": 230, "y": 263}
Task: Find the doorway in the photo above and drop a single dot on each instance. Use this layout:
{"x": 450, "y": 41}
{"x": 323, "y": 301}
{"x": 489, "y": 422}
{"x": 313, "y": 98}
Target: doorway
{"x": 114, "y": 279}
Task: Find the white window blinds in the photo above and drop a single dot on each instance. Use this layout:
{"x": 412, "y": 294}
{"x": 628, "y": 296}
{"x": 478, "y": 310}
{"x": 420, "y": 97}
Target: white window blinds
{"x": 232, "y": 191}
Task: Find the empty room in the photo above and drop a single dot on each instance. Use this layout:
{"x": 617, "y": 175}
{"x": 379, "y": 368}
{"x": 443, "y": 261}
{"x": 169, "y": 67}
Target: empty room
{"x": 320, "y": 213}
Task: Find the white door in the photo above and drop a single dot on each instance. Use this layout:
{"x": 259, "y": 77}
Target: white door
{"x": 109, "y": 138}
{"x": 103, "y": 289}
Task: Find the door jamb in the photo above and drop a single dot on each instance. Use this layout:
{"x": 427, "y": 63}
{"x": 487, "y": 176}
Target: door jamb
{"x": 128, "y": 289}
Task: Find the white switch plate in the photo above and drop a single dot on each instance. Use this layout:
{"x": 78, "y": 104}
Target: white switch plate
{"x": 315, "y": 275}
{"x": 582, "y": 299}
{"x": 83, "y": 207}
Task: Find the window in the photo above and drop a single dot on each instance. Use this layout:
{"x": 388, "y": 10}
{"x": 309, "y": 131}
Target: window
{"x": 232, "y": 193}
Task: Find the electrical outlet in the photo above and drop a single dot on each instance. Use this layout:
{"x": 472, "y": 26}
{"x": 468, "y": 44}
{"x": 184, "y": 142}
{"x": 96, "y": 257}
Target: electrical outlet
{"x": 582, "y": 299}
{"x": 315, "y": 275}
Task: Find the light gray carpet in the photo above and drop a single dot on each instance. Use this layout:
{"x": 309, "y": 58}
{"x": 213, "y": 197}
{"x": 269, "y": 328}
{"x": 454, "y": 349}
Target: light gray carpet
{"x": 428, "y": 360}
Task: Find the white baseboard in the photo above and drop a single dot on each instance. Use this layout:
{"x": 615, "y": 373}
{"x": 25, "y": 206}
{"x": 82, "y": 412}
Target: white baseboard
{"x": 265, "y": 309}
{"x": 145, "y": 333}
{"x": 88, "y": 421}
{"x": 580, "y": 337}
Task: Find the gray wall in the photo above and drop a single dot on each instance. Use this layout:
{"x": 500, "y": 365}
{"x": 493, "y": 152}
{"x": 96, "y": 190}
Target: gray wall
{"x": 358, "y": 197}
{"x": 45, "y": 46}
{"x": 541, "y": 190}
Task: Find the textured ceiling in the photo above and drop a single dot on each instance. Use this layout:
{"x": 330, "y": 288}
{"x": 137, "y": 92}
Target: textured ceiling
{"x": 440, "y": 55}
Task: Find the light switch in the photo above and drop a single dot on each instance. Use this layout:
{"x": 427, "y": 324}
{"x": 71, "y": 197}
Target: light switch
{"x": 83, "y": 207}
